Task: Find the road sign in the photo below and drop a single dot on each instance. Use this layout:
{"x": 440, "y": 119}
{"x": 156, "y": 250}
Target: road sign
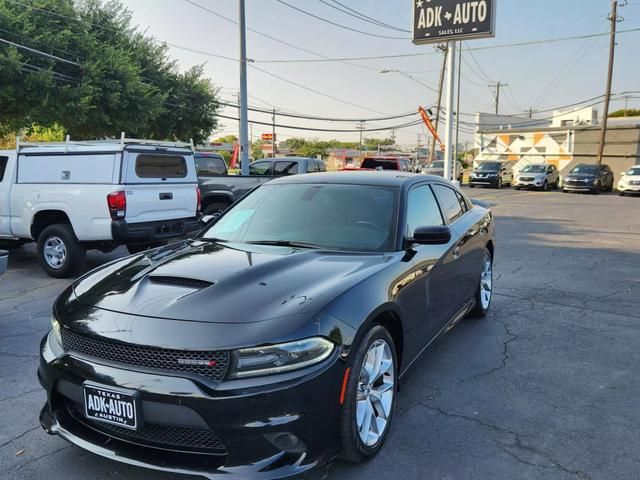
{"x": 436, "y": 21}
{"x": 268, "y": 137}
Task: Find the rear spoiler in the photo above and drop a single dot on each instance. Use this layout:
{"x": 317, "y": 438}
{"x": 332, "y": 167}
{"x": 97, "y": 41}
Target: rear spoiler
{"x": 480, "y": 203}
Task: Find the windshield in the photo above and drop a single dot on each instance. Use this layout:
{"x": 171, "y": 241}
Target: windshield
{"x": 633, "y": 171}
{"x": 340, "y": 217}
{"x": 586, "y": 169}
{"x": 374, "y": 163}
{"x": 437, "y": 165}
{"x": 488, "y": 166}
{"x": 534, "y": 169}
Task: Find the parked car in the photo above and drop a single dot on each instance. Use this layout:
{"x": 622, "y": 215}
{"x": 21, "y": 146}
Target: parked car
{"x": 437, "y": 168}
{"x": 4, "y": 259}
{"x": 540, "y": 176}
{"x": 491, "y": 174}
{"x": 385, "y": 163}
{"x": 586, "y": 177}
{"x": 71, "y": 197}
{"x": 275, "y": 339}
{"x": 220, "y": 190}
{"x": 630, "y": 181}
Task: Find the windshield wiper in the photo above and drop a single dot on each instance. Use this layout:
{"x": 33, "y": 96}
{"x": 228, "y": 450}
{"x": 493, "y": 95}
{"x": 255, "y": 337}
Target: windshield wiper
{"x": 283, "y": 243}
{"x": 212, "y": 239}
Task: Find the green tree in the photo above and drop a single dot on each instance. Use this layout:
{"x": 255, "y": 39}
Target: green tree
{"x": 628, "y": 112}
{"x": 106, "y": 76}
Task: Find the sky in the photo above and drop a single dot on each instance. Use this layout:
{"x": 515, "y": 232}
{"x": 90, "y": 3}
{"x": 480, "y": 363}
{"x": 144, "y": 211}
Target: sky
{"x": 540, "y": 76}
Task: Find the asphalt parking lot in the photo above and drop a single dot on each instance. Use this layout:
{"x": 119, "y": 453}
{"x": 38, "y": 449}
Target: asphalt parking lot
{"x": 546, "y": 387}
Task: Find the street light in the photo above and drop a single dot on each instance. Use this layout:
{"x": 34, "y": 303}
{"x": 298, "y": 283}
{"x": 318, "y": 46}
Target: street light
{"x": 410, "y": 77}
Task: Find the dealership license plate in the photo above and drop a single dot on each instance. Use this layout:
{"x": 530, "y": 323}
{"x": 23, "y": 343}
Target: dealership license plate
{"x": 110, "y": 406}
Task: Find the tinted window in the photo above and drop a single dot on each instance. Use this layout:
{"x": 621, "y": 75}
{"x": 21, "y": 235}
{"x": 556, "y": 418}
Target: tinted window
{"x": 259, "y": 168}
{"x": 632, "y": 171}
{"x": 585, "y": 169}
{"x": 321, "y": 166}
{"x": 160, "y": 166}
{"x": 534, "y": 169}
{"x": 449, "y": 202}
{"x": 285, "y": 168}
{"x": 3, "y": 166}
{"x": 312, "y": 166}
{"x": 422, "y": 209}
{"x": 210, "y": 166}
{"x": 385, "y": 164}
{"x": 489, "y": 167}
{"x": 463, "y": 203}
{"x": 341, "y": 217}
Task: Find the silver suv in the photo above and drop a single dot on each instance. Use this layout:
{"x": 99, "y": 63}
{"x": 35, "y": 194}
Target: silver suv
{"x": 540, "y": 176}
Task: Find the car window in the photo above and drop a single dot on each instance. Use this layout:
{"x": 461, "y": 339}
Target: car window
{"x": 210, "y": 166}
{"x": 449, "y": 202}
{"x": 385, "y": 164}
{"x": 463, "y": 203}
{"x": 343, "y": 217}
{"x": 288, "y": 167}
{"x": 422, "y": 209}
{"x": 312, "y": 166}
{"x": 3, "y": 166}
{"x": 260, "y": 168}
{"x": 321, "y": 166}
{"x": 160, "y": 166}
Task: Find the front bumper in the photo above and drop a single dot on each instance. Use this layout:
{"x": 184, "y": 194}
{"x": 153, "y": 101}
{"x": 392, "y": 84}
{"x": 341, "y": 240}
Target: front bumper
{"x": 529, "y": 183}
{"x": 487, "y": 182}
{"x": 579, "y": 188}
{"x": 252, "y": 432}
{"x": 627, "y": 188}
{"x": 125, "y": 233}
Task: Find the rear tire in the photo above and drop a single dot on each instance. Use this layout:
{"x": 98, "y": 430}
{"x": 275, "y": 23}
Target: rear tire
{"x": 215, "y": 207}
{"x": 484, "y": 293}
{"x": 545, "y": 186}
{"x": 366, "y": 400}
{"x": 59, "y": 251}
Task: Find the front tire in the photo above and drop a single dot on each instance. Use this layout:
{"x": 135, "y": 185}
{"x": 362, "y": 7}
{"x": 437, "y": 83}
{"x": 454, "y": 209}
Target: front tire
{"x": 545, "y": 186}
{"x": 59, "y": 251}
{"x": 369, "y": 396}
{"x": 215, "y": 208}
{"x": 484, "y": 293}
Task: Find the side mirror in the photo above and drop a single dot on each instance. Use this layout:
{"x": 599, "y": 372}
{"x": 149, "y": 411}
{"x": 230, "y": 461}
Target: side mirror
{"x": 433, "y": 235}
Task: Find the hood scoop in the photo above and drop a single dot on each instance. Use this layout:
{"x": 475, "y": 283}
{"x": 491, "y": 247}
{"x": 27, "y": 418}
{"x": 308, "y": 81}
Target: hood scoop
{"x": 180, "y": 281}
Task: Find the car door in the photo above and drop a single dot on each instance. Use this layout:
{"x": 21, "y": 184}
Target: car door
{"x": 262, "y": 167}
{"x": 418, "y": 291}
{"x": 464, "y": 259}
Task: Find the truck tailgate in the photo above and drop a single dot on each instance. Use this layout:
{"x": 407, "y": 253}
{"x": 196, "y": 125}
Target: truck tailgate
{"x": 149, "y": 202}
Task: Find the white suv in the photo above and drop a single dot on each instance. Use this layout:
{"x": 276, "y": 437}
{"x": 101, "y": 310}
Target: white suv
{"x": 74, "y": 196}
{"x": 630, "y": 181}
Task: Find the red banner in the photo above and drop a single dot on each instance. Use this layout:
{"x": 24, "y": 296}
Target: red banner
{"x": 234, "y": 156}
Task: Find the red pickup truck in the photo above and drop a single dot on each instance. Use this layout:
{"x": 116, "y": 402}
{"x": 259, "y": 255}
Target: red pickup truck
{"x": 385, "y": 163}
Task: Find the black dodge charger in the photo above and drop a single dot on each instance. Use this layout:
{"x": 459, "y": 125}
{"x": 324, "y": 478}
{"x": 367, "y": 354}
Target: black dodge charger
{"x": 275, "y": 340}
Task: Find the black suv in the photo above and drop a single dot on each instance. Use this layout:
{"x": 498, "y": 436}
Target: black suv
{"x": 591, "y": 178}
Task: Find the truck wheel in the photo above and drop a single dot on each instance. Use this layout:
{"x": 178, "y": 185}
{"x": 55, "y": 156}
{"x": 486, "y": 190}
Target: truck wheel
{"x": 60, "y": 253}
{"x": 215, "y": 207}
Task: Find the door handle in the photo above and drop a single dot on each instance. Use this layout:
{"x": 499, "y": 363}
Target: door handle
{"x": 166, "y": 196}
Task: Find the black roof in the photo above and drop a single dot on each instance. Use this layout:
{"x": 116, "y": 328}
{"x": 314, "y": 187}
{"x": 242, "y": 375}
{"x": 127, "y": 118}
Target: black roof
{"x": 359, "y": 177}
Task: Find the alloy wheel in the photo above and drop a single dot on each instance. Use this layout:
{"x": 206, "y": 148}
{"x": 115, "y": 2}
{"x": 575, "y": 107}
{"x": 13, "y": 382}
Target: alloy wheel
{"x": 376, "y": 387}
{"x": 55, "y": 252}
{"x": 486, "y": 282}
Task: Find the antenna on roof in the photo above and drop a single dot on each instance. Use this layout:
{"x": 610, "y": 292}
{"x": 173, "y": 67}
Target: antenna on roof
{"x": 66, "y": 143}
{"x": 122, "y": 138}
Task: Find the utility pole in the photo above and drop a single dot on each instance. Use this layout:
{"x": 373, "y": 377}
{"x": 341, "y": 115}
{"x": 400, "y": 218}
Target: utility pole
{"x": 448, "y": 133}
{"x": 432, "y": 151}
{"x": 417, "y": 162}
{"x": 497, "y": 86}
{"x": 455, "y": 147}
{"x": 244, "y": 116}
{"x": 361, "y": 127}
{"x": 274, "y": 149}
{"x": 613, "y": 18}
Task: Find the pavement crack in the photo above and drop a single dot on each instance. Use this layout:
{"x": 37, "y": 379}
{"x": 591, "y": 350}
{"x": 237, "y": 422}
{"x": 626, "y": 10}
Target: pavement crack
{"x": 19, "y": 436}
{"x": 20, "y": 395}
{"x": 33, "y": 460}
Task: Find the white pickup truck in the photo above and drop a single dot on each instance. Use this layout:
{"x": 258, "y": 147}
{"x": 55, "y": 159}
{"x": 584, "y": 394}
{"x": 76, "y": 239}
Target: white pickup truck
{"x": 74, "y": 196}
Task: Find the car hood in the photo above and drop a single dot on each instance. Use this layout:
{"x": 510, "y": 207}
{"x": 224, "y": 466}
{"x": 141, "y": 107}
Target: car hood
{"x": 232, "y": 283}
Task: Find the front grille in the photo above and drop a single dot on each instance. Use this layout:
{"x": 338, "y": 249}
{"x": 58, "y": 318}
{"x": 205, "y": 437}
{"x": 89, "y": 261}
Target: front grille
{"x": 169, "y": 436}
{"x": 634, "y": 182}
{"x": 209, "y": 364}
{"x": 576, "y": 183}
{"x": 527, "y": 179}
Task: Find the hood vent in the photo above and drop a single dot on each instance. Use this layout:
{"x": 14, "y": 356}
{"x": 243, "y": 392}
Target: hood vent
{"x": 180, "y": 281}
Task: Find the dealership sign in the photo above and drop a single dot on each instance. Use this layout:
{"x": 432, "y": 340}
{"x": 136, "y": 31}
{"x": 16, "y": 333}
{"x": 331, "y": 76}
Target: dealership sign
{"x": 437, "y": 21}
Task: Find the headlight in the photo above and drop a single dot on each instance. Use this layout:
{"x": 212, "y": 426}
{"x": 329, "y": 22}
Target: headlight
{"x": 283, "y": 357}
{"x": 492, "y": 175}
{"x": 55, "y": 328}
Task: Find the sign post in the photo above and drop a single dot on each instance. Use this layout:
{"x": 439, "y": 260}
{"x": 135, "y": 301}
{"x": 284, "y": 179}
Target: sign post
{"x": 450, "y": 21}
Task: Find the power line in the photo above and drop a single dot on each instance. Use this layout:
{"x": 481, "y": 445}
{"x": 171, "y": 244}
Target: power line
{"x": 314, "y": 91}
{"x": 474, "y": 49}
{"x": 39, "y": 52}
{"x": 295, "y": 127}
{"x": 337, "y": 24}
{"x": 361, "y": 16}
